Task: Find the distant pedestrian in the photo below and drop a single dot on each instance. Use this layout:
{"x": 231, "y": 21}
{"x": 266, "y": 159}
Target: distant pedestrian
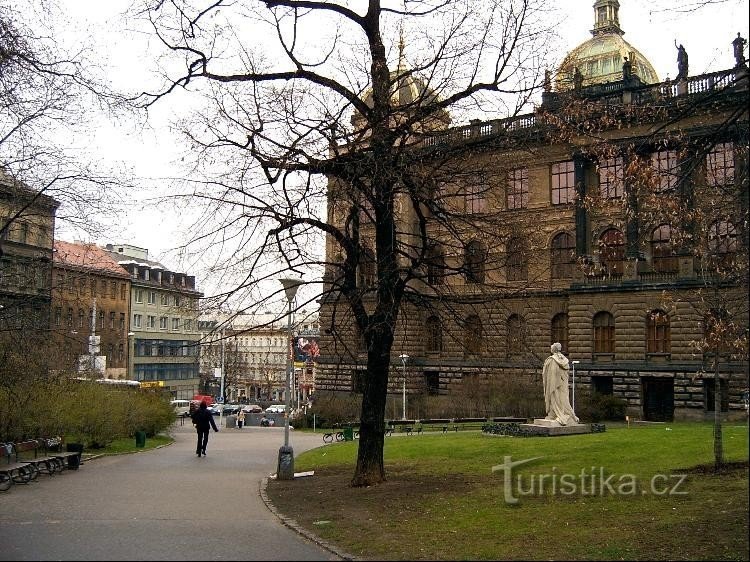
{"x": 240, "y": 418}
{"x": 203, "y": 421}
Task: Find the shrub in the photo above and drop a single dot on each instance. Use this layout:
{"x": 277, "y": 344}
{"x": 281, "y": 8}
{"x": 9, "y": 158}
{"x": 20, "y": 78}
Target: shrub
{"x": 595, "y": 407}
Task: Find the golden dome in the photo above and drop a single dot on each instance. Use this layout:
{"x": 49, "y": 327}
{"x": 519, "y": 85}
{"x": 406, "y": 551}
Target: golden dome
{"x": 600, "y": 58}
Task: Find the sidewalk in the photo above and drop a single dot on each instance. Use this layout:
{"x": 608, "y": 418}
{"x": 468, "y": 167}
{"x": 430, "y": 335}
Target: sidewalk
{"x": 163, "y": 504}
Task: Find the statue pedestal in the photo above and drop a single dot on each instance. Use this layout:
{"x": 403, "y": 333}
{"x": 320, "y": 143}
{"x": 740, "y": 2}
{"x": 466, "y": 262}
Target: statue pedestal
{"x": 543, "y": 426}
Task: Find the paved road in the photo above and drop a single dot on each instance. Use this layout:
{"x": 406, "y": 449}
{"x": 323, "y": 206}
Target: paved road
{"x": 163, "y": 504}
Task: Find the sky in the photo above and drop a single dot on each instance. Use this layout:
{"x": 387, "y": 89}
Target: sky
{"x": 153, "y": 153}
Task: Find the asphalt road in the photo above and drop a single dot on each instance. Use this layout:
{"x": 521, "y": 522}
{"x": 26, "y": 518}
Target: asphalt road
{"x": 162, "y": 504}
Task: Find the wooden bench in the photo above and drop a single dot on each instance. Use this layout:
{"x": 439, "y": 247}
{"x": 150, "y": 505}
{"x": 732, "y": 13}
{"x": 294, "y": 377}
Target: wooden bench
{"x": 13, "y": 471}
{"x": 33, "y": 451}
{"x": 69, "y": 459}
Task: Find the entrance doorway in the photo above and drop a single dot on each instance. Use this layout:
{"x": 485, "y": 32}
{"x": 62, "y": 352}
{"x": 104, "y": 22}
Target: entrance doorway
{"x": 658, "y": 398}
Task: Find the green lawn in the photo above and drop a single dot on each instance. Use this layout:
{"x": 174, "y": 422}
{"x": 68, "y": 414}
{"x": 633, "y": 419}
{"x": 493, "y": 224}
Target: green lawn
{"x": 442, "y": 499}
{"x": 127, "y": 445}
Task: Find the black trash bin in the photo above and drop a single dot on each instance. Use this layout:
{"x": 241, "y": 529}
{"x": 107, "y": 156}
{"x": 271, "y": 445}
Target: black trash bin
{"x": 348, "y": 433}
{"x": 140, "y": 438}
{"x": 74, "y": 461}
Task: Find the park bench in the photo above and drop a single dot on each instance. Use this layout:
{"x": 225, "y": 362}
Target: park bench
{"x": 70, "y": 459}
{"x": 12, "y": 471}
{"x": 34, "y": 452}
{"x": 469, "y": 423}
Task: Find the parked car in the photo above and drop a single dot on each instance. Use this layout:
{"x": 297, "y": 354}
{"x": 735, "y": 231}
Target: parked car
{"x": 276, "y": 409}
{"x": 214, "y": 409}
{"x": 230, "y": 409}
{"x": 181, "y": 407}
{"x": 252, "y": 409}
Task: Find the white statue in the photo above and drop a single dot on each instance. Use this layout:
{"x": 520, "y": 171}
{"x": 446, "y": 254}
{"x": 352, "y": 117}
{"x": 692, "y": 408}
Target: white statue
{"x": 555, "y": 377}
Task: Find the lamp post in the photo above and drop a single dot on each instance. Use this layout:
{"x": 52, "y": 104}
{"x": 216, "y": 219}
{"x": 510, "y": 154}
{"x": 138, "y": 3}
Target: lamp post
{"x": 285, "y": 466}
{"x": 574, "y": 384}
{"x": 131, "y": 354}
{"x": 404, "y": 358}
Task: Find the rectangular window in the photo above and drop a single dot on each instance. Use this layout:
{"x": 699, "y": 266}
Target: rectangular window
{"x": 177, "y": 300}
{"x": 112, "y": 320}
{"x": 150, "y": 321}
{"x": 164, "y": 299}
{"x": 611, "y": 178}
{"x": 563, "y": 183}
{"x": 122, "y": 321}
{"x": 92, "y": 287}
{"x": 139, "y": 295}
{"x": 113, "y": 289}
{"x": 136, "y": 320}
{"x": 188, "y": 326}
{"x": 664, "y": 163}
{"x": 162, "y": 322}
{"x": 175, "y": 323}
{"x": 100, "y": 323}
{"x": 475, "y": 196}
{"x": 720, "y": 165}
{"x": 102, "y": 288}
{"x": 152, "y": 297}
{"x": 123, "y": 289}
{"x": 517, "y": 190}
{"x": 58, "y": 317}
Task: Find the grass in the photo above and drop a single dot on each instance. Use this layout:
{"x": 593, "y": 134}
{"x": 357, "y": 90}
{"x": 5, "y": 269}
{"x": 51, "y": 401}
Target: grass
{"x": 127, "y": 445}
{"x": 443, "y": 501}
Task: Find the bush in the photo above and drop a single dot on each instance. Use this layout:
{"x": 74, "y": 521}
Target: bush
{"x": 595, "y": 407}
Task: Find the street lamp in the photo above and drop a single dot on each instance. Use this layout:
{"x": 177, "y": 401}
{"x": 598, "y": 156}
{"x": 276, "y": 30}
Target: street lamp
{"x": 404, "y": 358}
{"x": 574, "y": 384}
{"x": 285, "y": 467}
{"x": 131, "y": 354}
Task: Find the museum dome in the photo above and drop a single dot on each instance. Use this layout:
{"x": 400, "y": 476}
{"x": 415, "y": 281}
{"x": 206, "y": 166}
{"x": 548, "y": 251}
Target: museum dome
{"x": 600, "y": 58}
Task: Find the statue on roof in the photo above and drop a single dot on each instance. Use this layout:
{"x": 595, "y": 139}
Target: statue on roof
{"x": 682, "y": 62}
{"x": 547, "y": 81}
{"x": 738, "y": 45}
{"x": 577, "y": 79}
{"x": 627, "y": 70}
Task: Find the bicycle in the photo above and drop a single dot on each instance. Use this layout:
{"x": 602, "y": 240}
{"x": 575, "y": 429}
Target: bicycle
{"x": 329, "y": 437}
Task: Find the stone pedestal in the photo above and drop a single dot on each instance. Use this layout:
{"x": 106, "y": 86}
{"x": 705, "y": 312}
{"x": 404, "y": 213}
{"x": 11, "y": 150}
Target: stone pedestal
{"x": 543, "y": 426}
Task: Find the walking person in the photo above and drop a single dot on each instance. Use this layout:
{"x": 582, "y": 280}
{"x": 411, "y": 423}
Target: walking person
{"x": 203, "y": 421}
{"x": 240, "y": 419}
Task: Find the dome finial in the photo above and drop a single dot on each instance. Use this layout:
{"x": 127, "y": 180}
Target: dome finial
{"x": 606, "y": 17}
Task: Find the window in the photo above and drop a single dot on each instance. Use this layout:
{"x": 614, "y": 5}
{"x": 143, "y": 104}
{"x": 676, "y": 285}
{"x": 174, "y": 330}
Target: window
{"x": 662, "y": 253}
{"x": 177, "y": 301}
{"x": 71, "y": 284}
{"x": 474, "y": 262}
{"x": 162, "y": 322}
{"x": 563, "y": 183}
{"x": 164, "y": 299}
{"x": 658, "y": 338}
{"x": 188, "y": 325}
{"x": 432, "y": 382}
{"x": 367, "y": 269}
{"x": 113, "y": 289}
{"x": 516, "y": 268}
{"x": 559, "y": 330}
{"x": 720, "y": 165}
{"x": 152, "y": 297}
{"x": 602, "y": 385}
{"x": 515, "y": 329}
{"x": 81, "y": 318}
{"x": 604, "y": 333}
{"x": 722, "y": 242}
{"x": 122, "y": 321}
{"x": 475, "y": 196}
{"x": 611, "y": 178}
{"x": 517, "y": 190}
{"x": 612, "y": 251}
{"x": 435, "y": 266}
{"x": 136, "y": 320}
{"x": 665, "y": 166}
{"x": 102, "y": 288}
{"x": 563, "y": 256}
{"x": 112, "y": 320}
{"x": 123, "y": 289}
{"x": 434, "y": 335}
{"x": 139, "y": 295}
{"x": 150, "y": 321}
{"x": 175, "y": 324}
{"x": 121, "y": 352}
{"x": 473, "y": 334}
{"x": 100, "y": 322}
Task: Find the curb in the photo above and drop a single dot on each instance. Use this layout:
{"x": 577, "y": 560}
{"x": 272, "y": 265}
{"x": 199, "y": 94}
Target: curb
{"x": 292, "y": 524}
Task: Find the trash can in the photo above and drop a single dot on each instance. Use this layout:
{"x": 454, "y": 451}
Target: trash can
{"x": 74, "y": 461}
{"x": 348, "y": 434}
{"x": 140, "y": 438}
{"x": 231, "y": 421}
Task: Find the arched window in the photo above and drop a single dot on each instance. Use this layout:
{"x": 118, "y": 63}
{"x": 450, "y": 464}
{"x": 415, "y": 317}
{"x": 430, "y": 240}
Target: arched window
{"x": 434, "y": 335}
{"x": 516, "y": 328}
{"x": 559, "y": 331}
{"x": 658, "y": 337}
{"x": 563, "y": 257}
{"x": 473, "y": 334}
{"x": 367, "y": 269}
{"x": 612, "y": 251}
{"x": 435, "y": 265}
{"x": 722, "y": 242}
{"x": 662, "y": 251}
{"x": 474, "y": 262}
{"x": 604, "y": 333}
{"x": 516, "y": 268}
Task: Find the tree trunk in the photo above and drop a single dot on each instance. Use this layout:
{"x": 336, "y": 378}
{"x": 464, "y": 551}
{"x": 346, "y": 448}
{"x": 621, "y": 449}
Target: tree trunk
{"x": 370, "y": 469}
{"x": 718, "y": 444}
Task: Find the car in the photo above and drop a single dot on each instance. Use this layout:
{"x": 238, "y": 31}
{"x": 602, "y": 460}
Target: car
{"x": 214, "y": 409}
{"x": 229, "y": 409}
{"x": 276, "y": 409}
{"x": 181, "y": 407}
{"x": 252, "y": 409}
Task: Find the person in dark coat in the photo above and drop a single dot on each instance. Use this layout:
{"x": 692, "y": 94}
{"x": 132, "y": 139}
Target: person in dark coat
{"x": 203, "y": 421}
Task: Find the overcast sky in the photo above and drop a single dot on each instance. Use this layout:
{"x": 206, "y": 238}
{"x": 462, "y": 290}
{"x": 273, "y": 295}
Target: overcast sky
{"x": 652, "y": 26}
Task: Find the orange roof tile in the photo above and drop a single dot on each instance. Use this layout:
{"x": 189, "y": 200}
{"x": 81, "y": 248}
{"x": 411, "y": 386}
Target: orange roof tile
{"x": 86, "y": 256}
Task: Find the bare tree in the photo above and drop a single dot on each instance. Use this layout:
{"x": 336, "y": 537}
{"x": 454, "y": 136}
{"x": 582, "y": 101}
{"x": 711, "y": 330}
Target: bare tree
{"x": 333, "y": 112}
